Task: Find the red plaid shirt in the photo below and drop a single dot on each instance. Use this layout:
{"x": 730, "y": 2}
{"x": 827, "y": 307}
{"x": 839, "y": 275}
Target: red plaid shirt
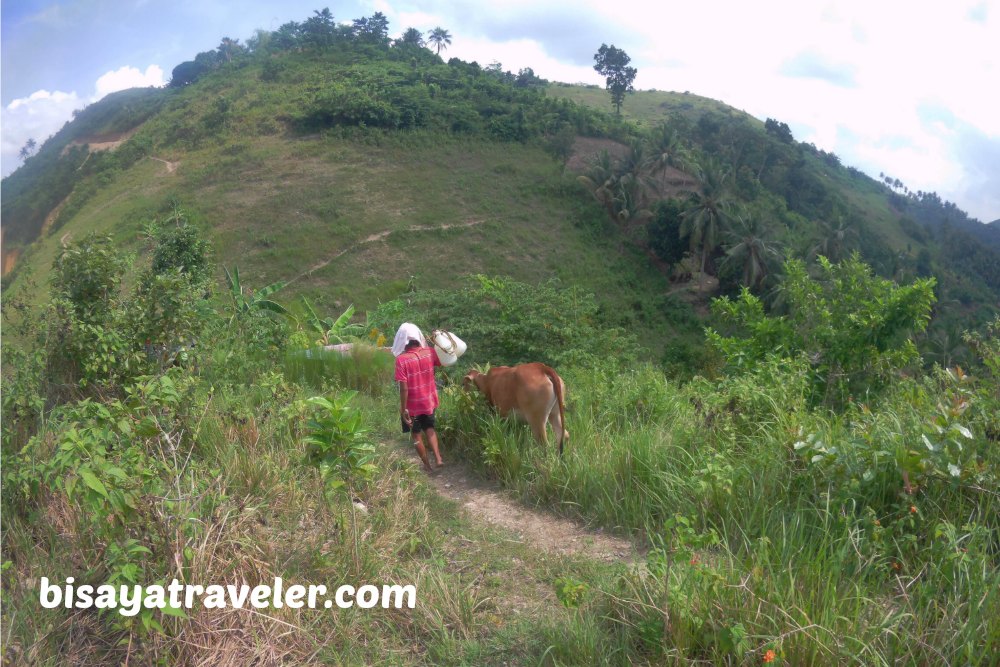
{"x": 416, "y": 369}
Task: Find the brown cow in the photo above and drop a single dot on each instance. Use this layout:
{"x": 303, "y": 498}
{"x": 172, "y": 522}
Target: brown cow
{"x": 532, "y": 392}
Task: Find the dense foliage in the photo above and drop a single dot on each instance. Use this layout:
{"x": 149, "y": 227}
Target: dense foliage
{"x": 780, "y": 529}
{"x": 809, "y": 487}
{"x": 852, "y": 328}
{"x": 773, "y": 524}
{"x": 514, "y": 321}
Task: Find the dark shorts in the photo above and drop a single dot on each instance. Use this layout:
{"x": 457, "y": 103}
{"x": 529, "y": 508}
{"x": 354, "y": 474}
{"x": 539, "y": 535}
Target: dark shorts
{"x": 419, "y": 423}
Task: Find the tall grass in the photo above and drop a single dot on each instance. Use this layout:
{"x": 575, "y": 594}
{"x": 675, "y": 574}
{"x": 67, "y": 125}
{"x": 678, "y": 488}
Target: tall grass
{"x": 366, "y": 368}
{"x": 814, "y": 560}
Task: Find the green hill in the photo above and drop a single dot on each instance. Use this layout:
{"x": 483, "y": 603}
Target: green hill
{"x": 789, "y": 480}
{"x": 353, "y": 169}
{"x": 342, "y": 211}
{"x": 805, "y": 198}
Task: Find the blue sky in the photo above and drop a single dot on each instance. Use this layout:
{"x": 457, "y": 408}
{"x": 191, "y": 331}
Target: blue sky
{"x": 910, "y": 88}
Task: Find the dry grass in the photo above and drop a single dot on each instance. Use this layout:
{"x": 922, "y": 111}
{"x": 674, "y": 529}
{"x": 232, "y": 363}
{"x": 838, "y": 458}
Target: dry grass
{"x": 237, "y": 550}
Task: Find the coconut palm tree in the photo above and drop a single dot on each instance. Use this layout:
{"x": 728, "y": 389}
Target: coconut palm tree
{"x": 632, "y": 183}
{"x": 833, "y": 239}
{"x": 708, "y": 214}
{"x": 636, "y": 163}
{"x": 27, "y": 149}
{"x": 748, "y": 246}
{"x": 944, "y": 344}
{"x": 619, "y": 188}
{"x": 602, "y": 181}
{"x": 664, "y": 149}
{"x": 440, "y": 38}
{"x": 628, "y": 199}
{"x": 412, "y": 36}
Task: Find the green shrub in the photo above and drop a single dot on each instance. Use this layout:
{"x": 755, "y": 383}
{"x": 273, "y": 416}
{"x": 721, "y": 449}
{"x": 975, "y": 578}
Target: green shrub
{"x": 111, "y": 462}
{"x": 509, "y": 322}
{"x": 179, "y": 245}
{"x": 88, "y": 275}
{"x": 851, "y": 326}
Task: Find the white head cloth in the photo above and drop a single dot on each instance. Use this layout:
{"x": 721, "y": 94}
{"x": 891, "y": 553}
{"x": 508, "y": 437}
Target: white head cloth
{"x": 407, "y": 332}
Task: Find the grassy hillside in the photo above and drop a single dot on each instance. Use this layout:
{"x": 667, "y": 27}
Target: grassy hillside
{"x": 647, "y": 108}
{"x": 806, "y": 489}
{"x": 782, "y": 519}
{"x": 356, "y": 170}
{"x": 285, "y": 209}
{"x": 805, "y": 202}
{"x": 353, "y": 214}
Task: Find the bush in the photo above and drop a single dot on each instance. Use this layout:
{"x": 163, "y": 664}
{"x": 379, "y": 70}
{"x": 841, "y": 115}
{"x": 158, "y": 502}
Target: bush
{"x": 179, "y": 245}
{"x": 509, "y": 322}
{"x": 102, "y": 465}
{"x": 97, "y": 337}
{"x": 851, "y": 326}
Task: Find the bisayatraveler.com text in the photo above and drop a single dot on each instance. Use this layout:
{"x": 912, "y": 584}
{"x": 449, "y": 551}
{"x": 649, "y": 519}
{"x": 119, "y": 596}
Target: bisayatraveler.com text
{"x": 129, "y": 600}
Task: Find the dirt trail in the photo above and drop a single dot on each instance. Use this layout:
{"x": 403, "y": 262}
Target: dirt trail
{"x": 171, "y": 166}
{"x": 382, "y": 235}
{"x": 53, "y": 214}
{"x": 102, "y": 142}
{"x": 8, "y": 259}
{"x": 489, "y": 503}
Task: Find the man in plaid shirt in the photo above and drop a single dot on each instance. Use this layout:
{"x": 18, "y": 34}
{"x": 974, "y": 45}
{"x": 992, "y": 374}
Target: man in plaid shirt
{"x": 418, "y": 397}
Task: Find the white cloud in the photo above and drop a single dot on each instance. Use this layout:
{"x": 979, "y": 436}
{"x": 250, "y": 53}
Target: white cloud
{"x": 42, "y": 113}
{"x": 401, "y": 19}
{"x": 36, "y": 117}
{"x": 41, "y": 96}
{"x": 128, "y": 77}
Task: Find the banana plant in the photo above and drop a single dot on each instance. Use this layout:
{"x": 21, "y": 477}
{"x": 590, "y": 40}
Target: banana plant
{"x": 248, "y": 301}
{"x": 330, "y": 329}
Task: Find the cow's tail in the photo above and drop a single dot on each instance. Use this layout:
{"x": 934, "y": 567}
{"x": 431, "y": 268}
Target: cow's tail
{"x": 557, "y": 387}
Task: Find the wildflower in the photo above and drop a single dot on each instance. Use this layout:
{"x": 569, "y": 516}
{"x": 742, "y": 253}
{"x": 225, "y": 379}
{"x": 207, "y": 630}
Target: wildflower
{"x": 769, "y": 656}
{"x": 877, "y": 522}
{"x": 913, "y": 509}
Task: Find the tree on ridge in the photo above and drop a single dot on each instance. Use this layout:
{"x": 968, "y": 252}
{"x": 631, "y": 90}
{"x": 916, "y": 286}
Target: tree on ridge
{"x": 612, "y": 63}
{"x": 440, "y": 38}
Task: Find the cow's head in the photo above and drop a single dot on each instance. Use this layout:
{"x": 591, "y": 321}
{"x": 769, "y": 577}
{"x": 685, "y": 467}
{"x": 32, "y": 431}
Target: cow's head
{"x": 472, "y": 379}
